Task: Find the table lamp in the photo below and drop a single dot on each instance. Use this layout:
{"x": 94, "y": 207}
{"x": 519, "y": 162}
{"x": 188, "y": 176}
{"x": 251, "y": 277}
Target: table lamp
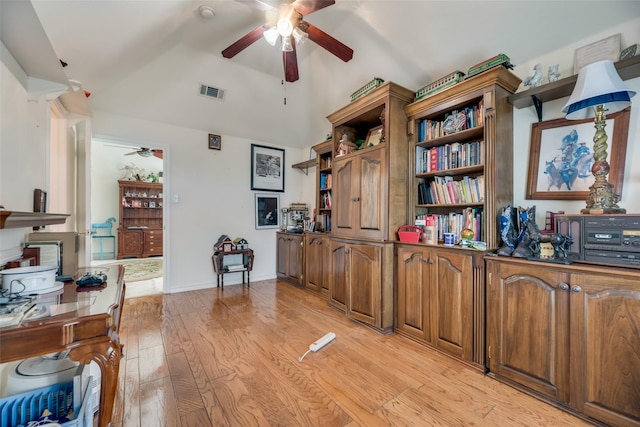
{"x": 599, "y": 88}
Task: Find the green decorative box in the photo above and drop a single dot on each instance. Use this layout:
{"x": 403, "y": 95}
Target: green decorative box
{"x": 440, "y": 84}
{"x": 376, "y": 82}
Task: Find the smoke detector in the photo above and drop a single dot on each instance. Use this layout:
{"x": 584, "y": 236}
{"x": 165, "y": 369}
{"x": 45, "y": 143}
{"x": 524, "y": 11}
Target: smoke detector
{"x": 206, "y": 12}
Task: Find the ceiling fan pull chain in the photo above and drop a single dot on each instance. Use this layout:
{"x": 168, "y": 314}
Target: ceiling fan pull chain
{"x": 284, "y": 86}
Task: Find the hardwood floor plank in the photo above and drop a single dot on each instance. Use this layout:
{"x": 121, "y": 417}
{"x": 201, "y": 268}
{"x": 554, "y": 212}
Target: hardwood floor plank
{"x": 158, "y": 405}
{"x": 184, "y": 385}
{"x": 229, "y": 357}
{"x": 153, "y": 364}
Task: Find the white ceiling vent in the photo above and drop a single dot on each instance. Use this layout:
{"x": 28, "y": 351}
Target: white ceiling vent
{"x": 211, "y": 92}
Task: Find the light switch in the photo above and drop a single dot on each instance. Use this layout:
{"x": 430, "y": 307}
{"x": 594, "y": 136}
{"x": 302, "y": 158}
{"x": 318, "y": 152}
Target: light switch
{"x": 176, "y": 198}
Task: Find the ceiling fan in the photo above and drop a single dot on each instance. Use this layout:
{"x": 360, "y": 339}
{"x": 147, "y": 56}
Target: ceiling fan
{"x": 284, "y": 20}
{"x": 146, "y": 152}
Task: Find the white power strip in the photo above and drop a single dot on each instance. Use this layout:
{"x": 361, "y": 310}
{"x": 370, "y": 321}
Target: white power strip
{"x": 322, "y": 342}
{"x": 315, "y": 346}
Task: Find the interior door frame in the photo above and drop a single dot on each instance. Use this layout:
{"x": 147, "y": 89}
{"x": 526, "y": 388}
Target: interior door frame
{"x": 166, "y": 190}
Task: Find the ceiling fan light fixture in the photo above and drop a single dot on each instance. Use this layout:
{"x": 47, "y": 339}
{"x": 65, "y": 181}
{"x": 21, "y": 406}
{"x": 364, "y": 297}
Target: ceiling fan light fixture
{"x": 286, "y": 44}
{"x": 285, "y": 27}
{"x": 299, "y": 36}
{"x": 271, "y": 36}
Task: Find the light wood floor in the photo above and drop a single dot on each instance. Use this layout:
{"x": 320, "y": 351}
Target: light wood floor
{"x": 230, "y": 358}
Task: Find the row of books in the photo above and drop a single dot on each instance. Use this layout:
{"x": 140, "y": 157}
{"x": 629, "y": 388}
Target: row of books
{"x": 445, "y": 190}
{"x": 324, "y": 222}
{"x": 326, "y": 201}
{"x": 449, "y": 156}
{"x": 466, "y": 118}
{"x": 455, "y": 222}
{"x": 325, "y": 163}
{"x": 325, "y": 181}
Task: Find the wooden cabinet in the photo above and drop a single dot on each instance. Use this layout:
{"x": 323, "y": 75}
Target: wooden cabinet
{"x": 317, "y": 261}
{"x": 290, "y": 257}
{"x": 360, "y": 197}
{"x": 440, "y": 299}
{"x": 140, "y": 231}
{"x": 462, "y": 141}
{"x": 359, "y": 285}
{"x": 370, "y": 184}
{"x": 568, "y": 334}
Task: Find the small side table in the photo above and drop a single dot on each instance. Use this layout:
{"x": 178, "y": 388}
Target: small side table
{"x": 247, "y": 264}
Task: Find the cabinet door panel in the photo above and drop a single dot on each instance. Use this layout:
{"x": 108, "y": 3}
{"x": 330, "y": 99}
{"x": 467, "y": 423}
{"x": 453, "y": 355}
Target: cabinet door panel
{"x": 370, "y": 214}
{"x": 315, "y": 263}
{"x": 605, "y": 315}
{"x": 343, "y": 203}
{"x": 528, "y": 327}
{"x": 130, "y": 243}
{"x": 364, "y": 283}
{"x": 338, "y": 284}
{"x": 452, "y": 292}
{"x": 295, "y": 259}
{"x": 413, "y": 293}
{"x": 282, "y": 256}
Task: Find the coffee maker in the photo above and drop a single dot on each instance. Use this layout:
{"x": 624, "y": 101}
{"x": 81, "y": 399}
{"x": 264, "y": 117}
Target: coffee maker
{"x": 295, "y": 218}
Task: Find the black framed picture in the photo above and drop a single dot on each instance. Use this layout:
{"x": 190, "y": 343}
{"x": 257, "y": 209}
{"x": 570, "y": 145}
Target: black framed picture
{"x": 267, "y": 211}
{"x": 267, "y": 168}
{"x": 215, "y": 142}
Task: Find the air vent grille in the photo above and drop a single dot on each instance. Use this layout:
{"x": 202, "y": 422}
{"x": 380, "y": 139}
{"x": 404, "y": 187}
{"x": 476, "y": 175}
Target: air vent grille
{"x": 211, "y": 92}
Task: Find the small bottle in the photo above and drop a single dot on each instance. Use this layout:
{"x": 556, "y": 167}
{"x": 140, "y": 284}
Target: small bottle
{"x": 430, "y": 231}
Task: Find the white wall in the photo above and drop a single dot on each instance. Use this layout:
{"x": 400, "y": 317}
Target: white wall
{"x": 24, "y": 130}
{"x": 523, "y": 118}
{"x": 215, "y": 196}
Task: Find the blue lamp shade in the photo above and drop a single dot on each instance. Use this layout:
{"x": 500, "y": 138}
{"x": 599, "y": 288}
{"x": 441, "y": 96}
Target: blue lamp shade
{"x": 598, "y": 84}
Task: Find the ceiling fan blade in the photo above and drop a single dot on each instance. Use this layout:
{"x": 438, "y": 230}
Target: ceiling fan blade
{"x": 244, "y": 42}
{"x": 290, "y": 61}
{"x": 305, "y": 7}
{"x": 131, "y": 153}
{"x": 157, "y": 153}
{"x": 323, "y": 39}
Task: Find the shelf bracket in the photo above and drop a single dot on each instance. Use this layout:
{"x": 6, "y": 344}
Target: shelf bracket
{"x": 538, "y": 104}
{"x": 304, "y": 170}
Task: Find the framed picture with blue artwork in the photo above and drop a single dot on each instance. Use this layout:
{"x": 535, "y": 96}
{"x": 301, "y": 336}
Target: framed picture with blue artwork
{"x": 561, "y": 157}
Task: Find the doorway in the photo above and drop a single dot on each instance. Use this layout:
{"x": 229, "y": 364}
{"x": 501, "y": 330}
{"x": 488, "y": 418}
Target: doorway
{"x": 113, "y": 161}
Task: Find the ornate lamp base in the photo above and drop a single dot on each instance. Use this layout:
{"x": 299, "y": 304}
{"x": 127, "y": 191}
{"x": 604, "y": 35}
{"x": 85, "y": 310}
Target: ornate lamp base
{"x": 601, "y": 198}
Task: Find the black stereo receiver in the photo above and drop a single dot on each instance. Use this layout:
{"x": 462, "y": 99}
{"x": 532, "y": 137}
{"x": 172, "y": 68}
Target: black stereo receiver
{"x": 602, "y": 239}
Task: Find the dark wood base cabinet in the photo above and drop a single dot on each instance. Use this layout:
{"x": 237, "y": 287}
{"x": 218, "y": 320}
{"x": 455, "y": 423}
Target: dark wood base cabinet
{"x": 139, "y": 243}
{"x": 569, "y": 334}
{"x": 317, "y": 261}
{"x": 359, "y": 285}
{"x": 290, "y": 257}
{"x": 441, "y": 299}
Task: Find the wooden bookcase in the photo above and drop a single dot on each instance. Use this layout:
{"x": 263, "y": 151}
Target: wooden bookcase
{"x": 484, "y": 157}
{"x": 452, "y": 317}
{"x": 140, "y": 227}
{"x": 369, "y": 189}
{"x": 324, "y": 184}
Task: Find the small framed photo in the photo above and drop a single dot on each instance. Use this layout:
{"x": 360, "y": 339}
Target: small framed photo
{"x": 267, "y": 168}
{"x": 561, "y": 156}
{"x": 152, "y": 204}
{"x": 374, "y": 137}
{"x": 267, "y": 211}
{"x": 215, "y": 142}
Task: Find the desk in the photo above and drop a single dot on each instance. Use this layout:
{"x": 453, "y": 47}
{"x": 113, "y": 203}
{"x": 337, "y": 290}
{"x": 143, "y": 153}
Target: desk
{"x": 86, "y": 323}
{"x": 247, "y": 262}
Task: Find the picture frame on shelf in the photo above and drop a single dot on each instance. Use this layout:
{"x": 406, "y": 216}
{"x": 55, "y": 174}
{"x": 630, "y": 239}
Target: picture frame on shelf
{"x": 561, "y": 155}
{"x": 215, "y": 142}
{"x": 608, "y": 48}
{"x": 267, "y": 211}
{"x": 374, "y": 136}
{"x": 267, "y": 168}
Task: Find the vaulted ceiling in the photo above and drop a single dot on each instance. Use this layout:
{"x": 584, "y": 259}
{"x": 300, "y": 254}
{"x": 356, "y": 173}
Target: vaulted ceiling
{"x": 147, "y": 59}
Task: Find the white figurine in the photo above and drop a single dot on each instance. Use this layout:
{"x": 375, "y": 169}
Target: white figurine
{"x": 536, "y": 78}
{"x": 554, "y": 74}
